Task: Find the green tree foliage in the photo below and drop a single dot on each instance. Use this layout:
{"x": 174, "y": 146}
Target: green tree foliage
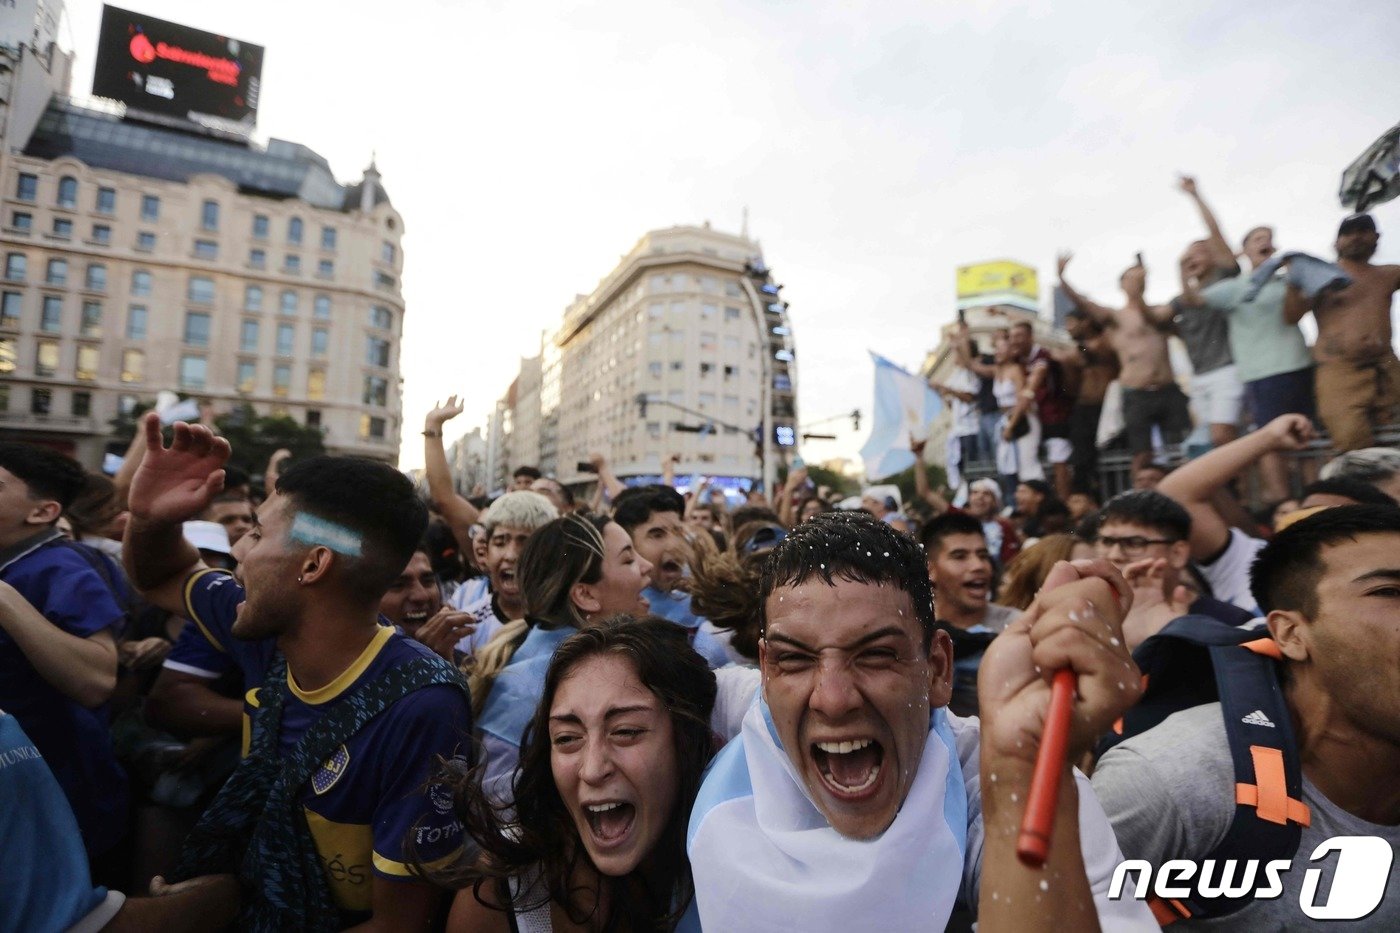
{"x": 255, "y": 438}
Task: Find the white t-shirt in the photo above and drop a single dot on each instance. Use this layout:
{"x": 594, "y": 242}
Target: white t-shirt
{"x": 1228, "y": 574}
{"x": 966, "y": 420}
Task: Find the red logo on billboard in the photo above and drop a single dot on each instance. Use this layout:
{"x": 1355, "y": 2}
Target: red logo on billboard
{"x": 222, "y": 70}
{"x": 141, "y": 49}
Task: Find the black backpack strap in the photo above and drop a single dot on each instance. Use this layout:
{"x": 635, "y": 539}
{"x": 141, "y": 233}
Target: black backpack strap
{"x": 1269, "y": 809}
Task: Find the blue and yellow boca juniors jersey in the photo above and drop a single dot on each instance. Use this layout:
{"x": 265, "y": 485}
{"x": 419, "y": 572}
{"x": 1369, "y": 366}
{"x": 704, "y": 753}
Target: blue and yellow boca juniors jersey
{"x": 366, "y": 805}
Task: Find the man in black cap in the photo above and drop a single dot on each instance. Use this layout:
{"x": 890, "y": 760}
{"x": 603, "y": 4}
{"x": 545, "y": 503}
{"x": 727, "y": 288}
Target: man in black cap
{"x": 1358, "y": 376}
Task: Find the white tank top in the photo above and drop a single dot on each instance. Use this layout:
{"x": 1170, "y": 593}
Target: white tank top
{"x": 1005, "y": 392}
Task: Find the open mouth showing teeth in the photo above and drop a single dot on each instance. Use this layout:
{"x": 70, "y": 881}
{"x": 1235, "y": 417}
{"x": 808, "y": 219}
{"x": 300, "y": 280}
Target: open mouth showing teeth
{"x": 610, "y": 821}
{"x": 849, "y": 768}
{"x": 414, "y": 618}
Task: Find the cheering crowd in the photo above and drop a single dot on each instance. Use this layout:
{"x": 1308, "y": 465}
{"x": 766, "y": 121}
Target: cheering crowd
{"x": 320, "y": 702}
{"x": 1249, "y": 362}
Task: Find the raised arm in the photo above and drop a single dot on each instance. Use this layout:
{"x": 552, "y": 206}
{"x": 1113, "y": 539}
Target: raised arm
{"x": 1195, "y": 483}
{"x": 460, "y": 513}
{"x": 1096, "y": 311}
{"x": 921, "y": 486}
{"x": 171, "y": 487}
{"x": 1221, "y": 256}
{"x": 608, "y": 484}
{"x": 962, "y": 352}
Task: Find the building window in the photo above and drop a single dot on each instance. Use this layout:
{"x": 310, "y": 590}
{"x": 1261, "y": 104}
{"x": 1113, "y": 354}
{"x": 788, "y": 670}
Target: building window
{"x": 294, "y": 231}
{"x": 328, "y": 238}
{"x": 96, "y": 277}
{"x": 371, "y": 427}
{"x": 91, "y": 323}
{"x": 46, "y": 358}
{"x": 731, "y": 401}
{"x": 150, "y": 207}
{"x": 384, "y": 282}
{"x": 106, "y": 200}
{"x": 51, "y": 316}
{"x": 209, "y": 215}
{"x": 387, "y": 252}
{"x": 86, "y": 366}
{"x": 248, "y": 337}
{"x": 146, "y": 242}
{"x": 376, "y": 351}
{"x": 252, "y": 298}
{"x": 292, "y": 264}
{"x": 733, "y": 289}
{"x": 677, "y": 337}
{"x": 257, "y": 258}
{"x": 281, "y": 380}
{"x": 321, "y": 308}
{"x": 56, "y": 272}
{"x": 194, "y": 372}
{"x": 196, "y": 329}
{"x": 82, "y": 404}
{"x": 133, "y": 366}
{"x": 678, "y": 309}
{"x": 706, "y": 400}
{"x": 21, "y": 222}
{"x": 313, "y": 416}
{"x": 376, "y": 391}
{"x": 11, "y": 304}
{"x": 206, "y": 249}
{"x": 731, "y": 343}
{"x": 286, "y": 334}
{"x": 27, "y": 187}
{"x": 16, "y": 266}
{"x": 289, "y": 302}
{"x": 677, "y": 365}
{"x": 260, "y": 226}
{"x": 9, "y": 358}
{"x": 315, "y": 388}
{"x": 40, "y": 401}
{"x": 102, "y": 234}
{"x": 731, "y": 313}
{"x": 247, "y": 375}
{"x": 654, "y": 370}
{"x": 325, "y": 269}
{"x": 201, "y": 290}
{"x": 320, "y": 341}
{"x": 62, "y": 228}
{"x": 709, "y": 342}
{"x": 67, "y": 191}
{"x": 136, "y": 322}
{"x": 380, "y": 316}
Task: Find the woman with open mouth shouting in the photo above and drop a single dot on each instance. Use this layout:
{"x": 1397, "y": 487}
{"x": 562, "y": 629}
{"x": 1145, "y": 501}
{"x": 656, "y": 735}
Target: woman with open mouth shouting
{"x": 612, "y": 760}
{"x": 572, "y": 570}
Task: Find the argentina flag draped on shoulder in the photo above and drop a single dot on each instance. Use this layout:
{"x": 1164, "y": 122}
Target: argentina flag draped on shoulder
{"x": 765, "y": 858}
{"x": 904, "y": 407}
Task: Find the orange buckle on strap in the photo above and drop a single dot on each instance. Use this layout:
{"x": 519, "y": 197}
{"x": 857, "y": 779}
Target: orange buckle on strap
{"x": 1265, "y": 646}
{"x": 1269, "y": 796}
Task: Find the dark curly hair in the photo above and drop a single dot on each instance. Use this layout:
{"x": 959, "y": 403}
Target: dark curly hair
{"x": 853, "y": 546}
{"x": 534, "y": 831}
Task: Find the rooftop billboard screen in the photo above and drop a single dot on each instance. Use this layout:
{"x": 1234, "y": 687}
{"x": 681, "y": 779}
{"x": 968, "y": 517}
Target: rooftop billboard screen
{"x": 165, "y": 68}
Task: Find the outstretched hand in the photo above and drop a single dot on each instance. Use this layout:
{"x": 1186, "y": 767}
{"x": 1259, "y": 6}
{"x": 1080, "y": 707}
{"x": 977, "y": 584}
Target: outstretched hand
{"x": 445, "y": 412}
{"x": 177, "y": 483}
{"x": 1187, "y": 184}
{"x": 1076, "y": 622}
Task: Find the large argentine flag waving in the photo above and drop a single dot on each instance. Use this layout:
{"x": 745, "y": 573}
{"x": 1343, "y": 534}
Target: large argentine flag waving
{"x": 904, "y": 406}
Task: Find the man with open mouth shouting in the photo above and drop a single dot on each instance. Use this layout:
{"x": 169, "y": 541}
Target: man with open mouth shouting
{"x": 852, "y": 799}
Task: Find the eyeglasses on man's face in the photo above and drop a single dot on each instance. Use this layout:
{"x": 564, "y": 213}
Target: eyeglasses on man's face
{"x": 1132, "y": 545}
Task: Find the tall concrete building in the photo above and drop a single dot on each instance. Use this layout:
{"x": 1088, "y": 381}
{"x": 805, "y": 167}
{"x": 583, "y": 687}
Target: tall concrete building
{"x": 684, "y": 349}
{"x": 140, "y": 257}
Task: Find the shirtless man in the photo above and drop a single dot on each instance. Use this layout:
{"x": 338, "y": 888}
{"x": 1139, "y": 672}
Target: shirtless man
{"x": 1091, "y": 365}
{"x": 1358, "y": 376}
{"x": 1150, "y": 393}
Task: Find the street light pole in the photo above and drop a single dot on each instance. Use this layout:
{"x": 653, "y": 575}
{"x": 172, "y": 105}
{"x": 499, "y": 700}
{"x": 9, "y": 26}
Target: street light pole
{"x": 766, "y": 467}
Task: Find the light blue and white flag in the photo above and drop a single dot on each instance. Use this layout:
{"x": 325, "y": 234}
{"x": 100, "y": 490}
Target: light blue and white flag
{"x": 904, "y": 406}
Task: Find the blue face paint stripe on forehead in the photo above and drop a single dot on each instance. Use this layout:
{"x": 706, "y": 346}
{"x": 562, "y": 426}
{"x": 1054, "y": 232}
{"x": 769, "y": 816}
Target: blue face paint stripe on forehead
{"x": 310, "y": 529}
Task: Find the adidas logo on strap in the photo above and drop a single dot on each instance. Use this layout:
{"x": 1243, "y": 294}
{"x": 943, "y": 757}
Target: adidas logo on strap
{"x": 1257, "y": 718}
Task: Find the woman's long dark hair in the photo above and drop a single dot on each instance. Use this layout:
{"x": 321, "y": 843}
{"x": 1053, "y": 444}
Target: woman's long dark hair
{"x": 534, "y": 832}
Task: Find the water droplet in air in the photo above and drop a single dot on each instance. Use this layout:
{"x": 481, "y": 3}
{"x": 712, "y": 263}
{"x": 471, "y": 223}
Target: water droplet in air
{"x": 1044, "y": 885}
{"x": 1114, "y": 642}
{"x": 1015, "y": 796}
{"x": 993, "y": 777}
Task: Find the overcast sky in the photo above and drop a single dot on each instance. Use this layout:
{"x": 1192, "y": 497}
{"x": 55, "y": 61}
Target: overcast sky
{"x": 876, "y": 145}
